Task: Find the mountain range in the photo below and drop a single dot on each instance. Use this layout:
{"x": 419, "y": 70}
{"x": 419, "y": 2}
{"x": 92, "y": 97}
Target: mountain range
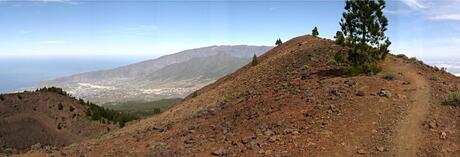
{"x": 170, "y": 76}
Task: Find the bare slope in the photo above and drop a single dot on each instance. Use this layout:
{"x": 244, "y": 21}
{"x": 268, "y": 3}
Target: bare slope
{"x": 296, "y": 103}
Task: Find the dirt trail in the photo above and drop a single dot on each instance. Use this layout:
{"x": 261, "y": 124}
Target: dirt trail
{"x": 408, "y": 135}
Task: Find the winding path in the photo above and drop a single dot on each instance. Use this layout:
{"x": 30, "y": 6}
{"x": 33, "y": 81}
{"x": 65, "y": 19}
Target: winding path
{"x": 407, "y": 139}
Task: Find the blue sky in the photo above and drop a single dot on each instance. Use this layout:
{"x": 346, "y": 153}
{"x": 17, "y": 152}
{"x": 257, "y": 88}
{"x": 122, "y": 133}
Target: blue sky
{"x": 153, "y": 28}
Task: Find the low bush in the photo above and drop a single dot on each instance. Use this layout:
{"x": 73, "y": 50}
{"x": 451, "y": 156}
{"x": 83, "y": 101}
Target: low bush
{"x": 389, "y": 76}
{"x": 156, "y": 111}
{"x": 453, "y": 99}
{"x": 71, "y": 108}
{"x": 97, "y": 113}
{"x": 362, "y": 70}
{"x": 194, "y": 94}
{"x": 53, "y": 90}
{"x": 434, "y": 78}
{"x": 402, "y": 56}
{"x": 338, "y": 57}
{"x": 254, "y": 61}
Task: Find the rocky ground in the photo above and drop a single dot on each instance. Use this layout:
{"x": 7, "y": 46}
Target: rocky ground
{"x": 296, "y": 102}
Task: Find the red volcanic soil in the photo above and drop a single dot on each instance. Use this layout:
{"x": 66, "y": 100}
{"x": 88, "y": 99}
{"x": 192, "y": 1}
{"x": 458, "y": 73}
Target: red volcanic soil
{"x": 295, "y": 102}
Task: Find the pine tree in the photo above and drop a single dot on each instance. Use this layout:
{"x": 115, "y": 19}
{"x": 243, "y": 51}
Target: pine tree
{"x": 315, "y": 32}
{"x": 364, "y": 26}
{"x": 339, "y": 38}
{"x": 254, "y": 60}
{"x": 278, "y": 42}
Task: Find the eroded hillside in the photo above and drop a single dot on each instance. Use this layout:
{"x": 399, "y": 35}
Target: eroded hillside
{"x": 44, "y": 119}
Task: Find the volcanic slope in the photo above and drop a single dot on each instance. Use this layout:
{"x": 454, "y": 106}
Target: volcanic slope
{"x": 296, "y": 102}
{"x": 43, "y": 119}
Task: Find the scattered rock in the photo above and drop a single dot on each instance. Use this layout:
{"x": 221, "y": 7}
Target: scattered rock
{"x": 384, "y": 93}
{"x": 350, "y": 83}
{"x": 268, "y": 152}
{"x": 332, "y": 108}
{"x": 219, "y": 152}
{"x": 273, "y": 139}
{"x": 268, "y": 133}
{"x": 360, "y": 93}
{"x": 380, "y": 149}
{"x": 443, "y": 135}
{"x": 261, "y": 151}
{"x": 287, "y": 131}
{"x": 432, "y": 125}
{"x": 362, "y": 152}
{"x": 36, "y": 146}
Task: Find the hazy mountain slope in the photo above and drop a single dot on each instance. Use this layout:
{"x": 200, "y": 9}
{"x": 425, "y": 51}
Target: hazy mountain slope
{"x": 150, "y": 66}
{"x": 207, "y": 68}
{"x": 169, "y": 76}
{"x": 297, "y": 102}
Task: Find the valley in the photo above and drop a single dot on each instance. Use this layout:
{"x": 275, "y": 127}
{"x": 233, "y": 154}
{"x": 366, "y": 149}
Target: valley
{"x": 171, "y": 76}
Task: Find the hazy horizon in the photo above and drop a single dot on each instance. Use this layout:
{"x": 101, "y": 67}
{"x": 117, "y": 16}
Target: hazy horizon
{"x": 21, "y": 73}
{"x": 418, "y": 28}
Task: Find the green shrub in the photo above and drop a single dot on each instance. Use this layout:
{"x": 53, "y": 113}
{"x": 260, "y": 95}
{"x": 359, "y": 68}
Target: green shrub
{"x": 53, "y": 90}
{"x": 402, "y": 56}
{"x": 156, "y": 111}
{"x": 453, "y": 99}
{"x": 254, "y": 60}
{"x": 332, "y": 62}
{"x": 362, "y": 70}
{"x": 338, "y": 57}
{"x": 339, "y": 38}
{"x": 434, "y": 78}
{"x": 194, "y": 94}
{"x": 97, "y": 113}
{"x": 389, "y": 76}
{"x": 71, "y": 108}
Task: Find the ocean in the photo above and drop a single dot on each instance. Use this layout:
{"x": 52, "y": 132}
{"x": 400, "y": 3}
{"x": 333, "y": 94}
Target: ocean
{"x": 19, "y": 73}
{"x": 452, "y": 64}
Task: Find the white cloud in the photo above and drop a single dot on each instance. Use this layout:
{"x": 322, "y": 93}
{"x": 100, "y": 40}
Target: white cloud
{"x": 53, "y": 42}
{"x": 446, "y": 17}
{"x": 456, "y": 40}
{"x": 414, "y": 4}
{"x": 448, "y": 47}
{"x": 436, "y": 10}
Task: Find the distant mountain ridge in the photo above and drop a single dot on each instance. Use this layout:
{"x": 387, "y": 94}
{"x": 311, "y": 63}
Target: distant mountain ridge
{"x": 169, "y": 76}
